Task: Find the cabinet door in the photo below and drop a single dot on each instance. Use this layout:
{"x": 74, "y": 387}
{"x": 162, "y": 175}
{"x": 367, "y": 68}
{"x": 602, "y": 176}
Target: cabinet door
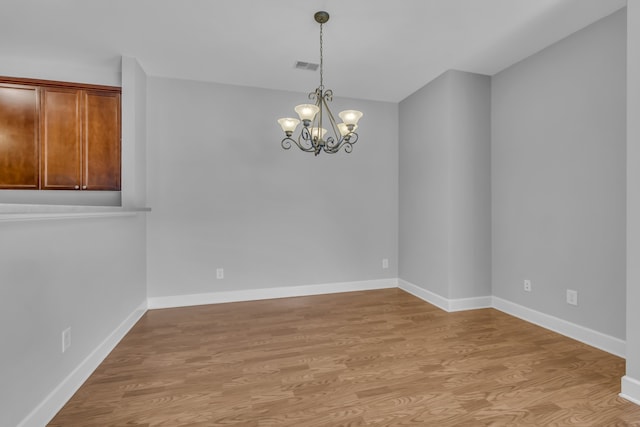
{"x": 101, "y": 141}
{"x": 18, "y": 137}
{"x": 60, "y": 139}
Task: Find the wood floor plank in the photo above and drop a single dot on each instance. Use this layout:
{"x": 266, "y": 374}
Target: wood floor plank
{"x": 374, "y": 358}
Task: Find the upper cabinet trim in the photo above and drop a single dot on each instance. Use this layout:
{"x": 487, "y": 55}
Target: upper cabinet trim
{"x": 54, "y": 83}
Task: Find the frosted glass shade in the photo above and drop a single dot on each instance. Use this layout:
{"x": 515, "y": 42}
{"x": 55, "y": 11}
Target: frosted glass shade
{"x": 288, "y": 124}
{"x": 315, "y": 132}
{"x": 350, "y": 117}
{"x": 343, "y": 129}
{"x": 307, "y": 111}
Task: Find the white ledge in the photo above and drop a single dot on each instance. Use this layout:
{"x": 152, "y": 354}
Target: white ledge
{"x": 10, "y": 212}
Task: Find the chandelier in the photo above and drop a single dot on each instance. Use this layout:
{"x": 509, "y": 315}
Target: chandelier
{"x": 314, "y": 116}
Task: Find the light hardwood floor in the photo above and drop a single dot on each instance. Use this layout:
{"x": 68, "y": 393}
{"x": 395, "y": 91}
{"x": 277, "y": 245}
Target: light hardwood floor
{"x": 375, "y": 358}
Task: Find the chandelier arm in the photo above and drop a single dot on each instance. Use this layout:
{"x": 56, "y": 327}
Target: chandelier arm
{"x": 348, "y": 146}
{"x": 331, "y": 150}
{"x": 347, "y": 142}
{"x": 305, "y": 135}
{"x": 315, "y": 95}
{"x": 320, "y": 114}
{"x": 333, "y": 143}
{"x": 286, "y": 143}
{"x": 328, "y": 96}
{"x": 330, "y": 144}
{"x": 335, "y": 146}
{"x": 315, "y": 124}
{"x": 334, "y": 149}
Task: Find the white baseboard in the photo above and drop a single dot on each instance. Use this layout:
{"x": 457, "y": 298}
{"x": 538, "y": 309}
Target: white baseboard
{"x": 269, "y": 293}
{"x": 425, "y": 295}
{"x": 49, "y": 407}
{"x": 630, "y": 389}
{"x": 475, "y": 303}
{"x": 588, "y": 336}
{"x": 446, "y": 304}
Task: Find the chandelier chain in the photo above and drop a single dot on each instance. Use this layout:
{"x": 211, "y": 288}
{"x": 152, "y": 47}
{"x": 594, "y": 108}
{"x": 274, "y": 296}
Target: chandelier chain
{"x": 321, "y": 60}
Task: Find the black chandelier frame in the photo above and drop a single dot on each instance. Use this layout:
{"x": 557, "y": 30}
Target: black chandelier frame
{"x": 311, "y": 138}
{"x": 315, "y": 143}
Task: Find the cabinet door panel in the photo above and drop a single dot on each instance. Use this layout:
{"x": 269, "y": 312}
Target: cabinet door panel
{"x": 18, "y": 137}
{"x": 61, "y": 137}
{"x": 101, "y": 145}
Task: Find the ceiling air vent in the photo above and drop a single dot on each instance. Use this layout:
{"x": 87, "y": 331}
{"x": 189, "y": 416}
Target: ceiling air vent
{"x": 300, "y": 65}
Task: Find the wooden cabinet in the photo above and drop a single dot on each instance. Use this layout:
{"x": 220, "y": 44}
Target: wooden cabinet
{"x": 19, "y": 123}
{"x": 60, "y": 140}
{"x": 101, "y": 141}
{"x": 80, "y": 139}
{"x": 59, "y": 136}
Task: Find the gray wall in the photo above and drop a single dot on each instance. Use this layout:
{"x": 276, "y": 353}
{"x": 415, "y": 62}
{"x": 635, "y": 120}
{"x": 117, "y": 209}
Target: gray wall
{"x": 424, "y": 187}
{"x": 87, "y": 274}
{"x": 134, "y": 134}
{"x": 633, "y": 194}
{"x": 445, "y": 186}
{"x": 225, "y": 194}
{"x": 470, "y": 185}
{"x": 558, "y": 178}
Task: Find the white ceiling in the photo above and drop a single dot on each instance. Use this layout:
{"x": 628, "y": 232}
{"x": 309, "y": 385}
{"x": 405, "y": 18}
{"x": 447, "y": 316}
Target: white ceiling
{"x": 374, "y": 49}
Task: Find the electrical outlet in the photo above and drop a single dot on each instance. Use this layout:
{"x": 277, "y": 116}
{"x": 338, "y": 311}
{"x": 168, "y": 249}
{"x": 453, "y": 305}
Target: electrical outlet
{"x": 572, "y": 297}
{"x": 527, "y": 285}
{"x": 385, "y": 263}
{"x": 66, "y": 339}
{"x": 219, "y": 273}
